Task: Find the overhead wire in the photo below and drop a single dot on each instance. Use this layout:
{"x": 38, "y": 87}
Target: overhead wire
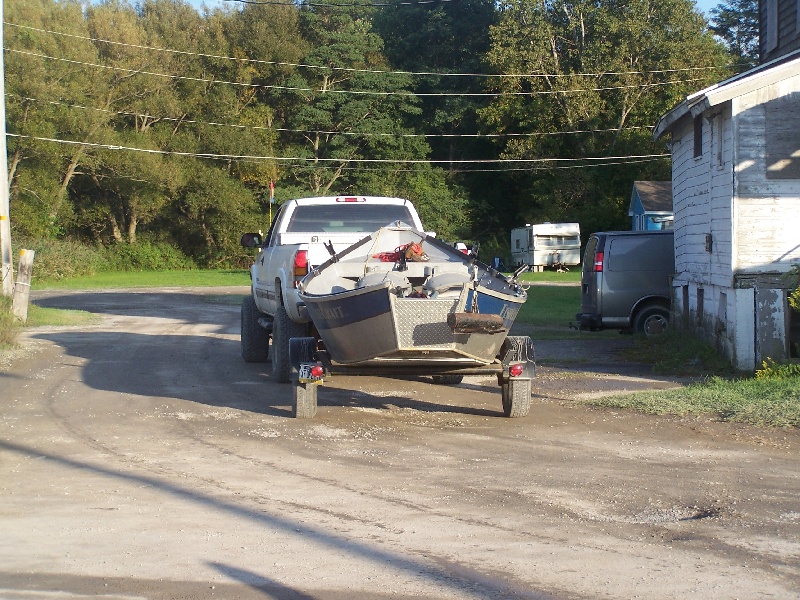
{"x": 328, "y": 132}
{"x": 255, "y": 158}
{"x": 353, "y": 92}
{"x": 371, "y": 71}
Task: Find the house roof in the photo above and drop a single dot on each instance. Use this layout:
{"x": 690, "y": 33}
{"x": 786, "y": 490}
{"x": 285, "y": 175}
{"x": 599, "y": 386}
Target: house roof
{"x": 763, "y": 75}
{"x": 655, "y": 196}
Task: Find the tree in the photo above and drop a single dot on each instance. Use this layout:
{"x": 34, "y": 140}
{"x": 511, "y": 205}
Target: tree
{"x": 607, "y": 69}
{"x": 735, "y": 22}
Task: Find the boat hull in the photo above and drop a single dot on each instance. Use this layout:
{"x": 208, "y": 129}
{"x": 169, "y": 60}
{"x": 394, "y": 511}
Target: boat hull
{"x": 373, "y": 323}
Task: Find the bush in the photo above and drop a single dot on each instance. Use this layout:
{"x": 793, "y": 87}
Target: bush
{"x": 146, "y": 256}
{"x": 771, "y": 369}
{"x": 60, "y": 259}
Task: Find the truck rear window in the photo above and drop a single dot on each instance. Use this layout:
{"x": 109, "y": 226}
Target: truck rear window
{"x": 344, "y": 218}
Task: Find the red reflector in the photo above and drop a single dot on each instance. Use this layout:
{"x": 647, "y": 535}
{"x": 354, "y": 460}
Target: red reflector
{"x": 317, "y": 371}
{"x": 351, "y": 199}
{"x": 301, "y": 263}
{"x": 515, "y": 370}
{"x": 598, "y": 262}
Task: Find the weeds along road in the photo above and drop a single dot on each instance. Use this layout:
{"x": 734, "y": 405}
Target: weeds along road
{"x": 141, "y": 458}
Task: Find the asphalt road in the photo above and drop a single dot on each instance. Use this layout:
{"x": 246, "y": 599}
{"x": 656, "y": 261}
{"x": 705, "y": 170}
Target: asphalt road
{"x": 141, "y": 458}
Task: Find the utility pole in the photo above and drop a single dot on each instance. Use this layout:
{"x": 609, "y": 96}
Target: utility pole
{"x": 7, "y": 272}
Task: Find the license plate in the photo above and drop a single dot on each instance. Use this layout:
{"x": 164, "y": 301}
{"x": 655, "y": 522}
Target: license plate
{"x": 305, "y": 375}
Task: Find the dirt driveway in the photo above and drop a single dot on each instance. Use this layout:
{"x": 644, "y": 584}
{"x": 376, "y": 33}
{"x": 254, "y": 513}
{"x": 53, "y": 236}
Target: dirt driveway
{"x": 141, "y": 458}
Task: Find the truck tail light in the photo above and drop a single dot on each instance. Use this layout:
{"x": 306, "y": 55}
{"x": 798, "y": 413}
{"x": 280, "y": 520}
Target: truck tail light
{"x": 515, "y": 370}
{"x": 300, "y": 265}
{"x": 598, "y": 262}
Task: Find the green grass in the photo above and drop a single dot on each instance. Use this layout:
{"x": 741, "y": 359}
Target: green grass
{"x": 39, "y": 316}
{"x": 573, "y": 277}
{"x": 551, "y": 305}
{"x": 771, "y": 402}
{"x": 139, "y": 279}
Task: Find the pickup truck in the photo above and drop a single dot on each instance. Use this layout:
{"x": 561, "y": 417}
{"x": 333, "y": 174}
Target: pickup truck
{"x": 304, "y": 233}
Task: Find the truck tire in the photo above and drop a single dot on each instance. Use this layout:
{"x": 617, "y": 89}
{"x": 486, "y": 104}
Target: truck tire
{"x": 651, "y": 321}
{"x": 283, "y": 329}
{"x": 255, "y": 339}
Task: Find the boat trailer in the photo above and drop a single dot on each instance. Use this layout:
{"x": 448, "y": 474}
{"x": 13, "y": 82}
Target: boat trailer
{"x": 514, "y": 368}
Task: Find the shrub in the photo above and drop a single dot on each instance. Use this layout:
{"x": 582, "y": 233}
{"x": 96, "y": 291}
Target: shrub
{"x": 146, "y": 256}
{"x": 59, "y": 259}
{"x": 771, "y": 369}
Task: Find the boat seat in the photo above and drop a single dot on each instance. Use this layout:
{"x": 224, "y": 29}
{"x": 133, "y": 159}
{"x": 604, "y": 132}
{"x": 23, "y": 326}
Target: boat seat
{"x": 398, "y": 281}
{"x": 443, "y": 282}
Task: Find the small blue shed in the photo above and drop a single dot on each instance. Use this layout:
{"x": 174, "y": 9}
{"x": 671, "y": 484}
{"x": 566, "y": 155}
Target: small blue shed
{"x": 651, "y": 205}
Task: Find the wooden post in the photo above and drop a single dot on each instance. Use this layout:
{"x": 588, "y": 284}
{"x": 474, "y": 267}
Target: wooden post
{"x": 22, "y": 288}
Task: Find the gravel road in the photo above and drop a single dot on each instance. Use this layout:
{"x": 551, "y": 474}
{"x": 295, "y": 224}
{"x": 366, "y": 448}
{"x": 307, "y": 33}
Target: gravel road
{"x": 141, "y": 458}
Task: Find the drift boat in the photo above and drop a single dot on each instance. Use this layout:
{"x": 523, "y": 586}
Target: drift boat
{"x": 402, "y": 296}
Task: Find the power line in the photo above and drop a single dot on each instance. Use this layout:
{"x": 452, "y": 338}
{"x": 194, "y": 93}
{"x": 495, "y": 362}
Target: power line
{"x": 372, "y": 71}
{"x": 354, "y": 92}
{"x": 253, "y": 158}
{"x": 324, "y": 132}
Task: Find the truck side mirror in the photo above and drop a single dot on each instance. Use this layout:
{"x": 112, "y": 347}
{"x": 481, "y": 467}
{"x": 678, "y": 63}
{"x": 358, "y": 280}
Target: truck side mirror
{"x": 251, "y": 240}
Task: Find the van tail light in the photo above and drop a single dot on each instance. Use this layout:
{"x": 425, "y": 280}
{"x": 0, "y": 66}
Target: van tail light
{"x": 598, "y": 262}
{"x": 300, "y": 265}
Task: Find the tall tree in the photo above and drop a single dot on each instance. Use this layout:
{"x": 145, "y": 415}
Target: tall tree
{"x": 735, "y": 22}
{"x": 608, "y": 69}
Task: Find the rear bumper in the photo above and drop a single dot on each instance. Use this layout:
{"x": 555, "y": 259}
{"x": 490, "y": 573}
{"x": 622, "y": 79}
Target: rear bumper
{"x": 588, "y": 320}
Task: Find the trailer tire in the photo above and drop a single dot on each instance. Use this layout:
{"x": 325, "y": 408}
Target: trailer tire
{"x": 304, "y": 404}
{"x": 254, "y": 338}
{"x": 283, "y": 329}
{"x": 448, "y": 379}
{"x": 516, "y": 395}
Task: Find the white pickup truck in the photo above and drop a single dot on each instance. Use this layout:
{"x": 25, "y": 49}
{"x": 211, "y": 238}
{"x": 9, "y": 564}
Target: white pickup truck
{"x": 303, "y": 234}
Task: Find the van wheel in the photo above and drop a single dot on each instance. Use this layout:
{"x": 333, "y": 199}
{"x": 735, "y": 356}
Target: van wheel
{"x": 652, "y": 321}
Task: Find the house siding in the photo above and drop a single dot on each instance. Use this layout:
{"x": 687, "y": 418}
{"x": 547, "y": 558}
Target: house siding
{"x": 779, "y": 25}
{"x": 763, "y": 204}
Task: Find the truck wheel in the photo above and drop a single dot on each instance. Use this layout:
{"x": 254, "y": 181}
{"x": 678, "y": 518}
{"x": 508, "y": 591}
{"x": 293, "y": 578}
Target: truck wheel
{"x": 283, "y": 329}
{"x": 652, "y": 321}
{"x": 516, "y": 397}
{"x": 448, "y": 379}
{"x": 255, "y": 339}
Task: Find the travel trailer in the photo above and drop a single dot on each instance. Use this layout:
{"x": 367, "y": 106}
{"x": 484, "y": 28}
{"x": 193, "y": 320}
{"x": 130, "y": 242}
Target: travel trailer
{"x": 556, "y": 245}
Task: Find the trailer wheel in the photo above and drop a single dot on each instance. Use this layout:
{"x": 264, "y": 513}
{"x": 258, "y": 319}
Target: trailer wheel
{"x": 448, "y": 379}
{"x": 304, "y": 404}
{"x": 254, "y": 338}
{"x": 516, "y": 395}
{"x": 283, "y": 329}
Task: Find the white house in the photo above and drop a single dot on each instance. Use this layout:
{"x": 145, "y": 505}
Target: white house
{"x": 736, "y": 199}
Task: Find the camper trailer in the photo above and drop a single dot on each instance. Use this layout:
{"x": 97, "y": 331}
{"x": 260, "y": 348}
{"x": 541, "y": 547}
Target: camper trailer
{"x": 556, "y": 245}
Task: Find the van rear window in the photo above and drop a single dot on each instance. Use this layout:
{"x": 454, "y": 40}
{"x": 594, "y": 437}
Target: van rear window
{"x": 639, "y": 253}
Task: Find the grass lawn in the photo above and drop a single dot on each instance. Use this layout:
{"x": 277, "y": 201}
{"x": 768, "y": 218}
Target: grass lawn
{"x": 134, "y": 279}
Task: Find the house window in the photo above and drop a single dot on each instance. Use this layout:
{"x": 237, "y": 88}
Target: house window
{"x": 772, "y": 25}
{"x": 717, "y": 135}
{"x": 698, "y": 136}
